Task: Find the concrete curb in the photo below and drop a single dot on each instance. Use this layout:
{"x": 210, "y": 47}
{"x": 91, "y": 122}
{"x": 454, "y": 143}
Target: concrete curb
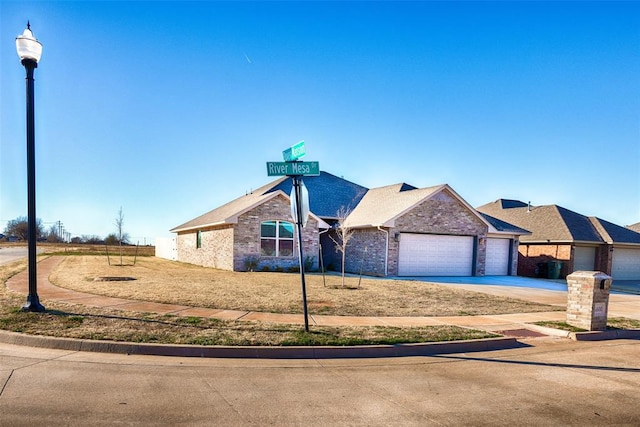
{"x": 615, "y": 334}
{"x": 548, "y": 331}
{"x": 247, "y": 352}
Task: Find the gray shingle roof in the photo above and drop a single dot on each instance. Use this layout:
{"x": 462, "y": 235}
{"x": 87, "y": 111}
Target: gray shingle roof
{"x": 557, "y": 224}
{"x": 503, "y": 226}
{"x": 613, "y": 233}
{"x": 327, "y": 193}
{"x": 635, "y": 227}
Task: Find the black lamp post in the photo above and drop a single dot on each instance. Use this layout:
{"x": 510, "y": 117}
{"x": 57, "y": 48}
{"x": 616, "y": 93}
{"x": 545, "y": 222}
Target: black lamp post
{"x": 29, "y": 50}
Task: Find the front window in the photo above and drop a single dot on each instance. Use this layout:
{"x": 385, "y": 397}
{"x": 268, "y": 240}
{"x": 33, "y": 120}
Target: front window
{"x": 276, "y": 238}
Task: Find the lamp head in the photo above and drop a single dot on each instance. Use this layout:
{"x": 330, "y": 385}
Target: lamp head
{"x": 28, "y": 47}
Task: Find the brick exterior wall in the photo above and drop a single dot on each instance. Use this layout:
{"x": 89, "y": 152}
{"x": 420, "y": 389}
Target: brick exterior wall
{"x": 229, "y": 247}
{"x": 441, "y": 214}
{"x": 366, "y": 252}
{"x": 604, "y": 258}
{"x": 247, "y": 237}
{"x": 532, "y": 255}
{"x": 216, "y": 250}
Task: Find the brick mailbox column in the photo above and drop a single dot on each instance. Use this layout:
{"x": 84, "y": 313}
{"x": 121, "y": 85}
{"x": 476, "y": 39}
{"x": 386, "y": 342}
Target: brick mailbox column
{"x": 588, "y": 300}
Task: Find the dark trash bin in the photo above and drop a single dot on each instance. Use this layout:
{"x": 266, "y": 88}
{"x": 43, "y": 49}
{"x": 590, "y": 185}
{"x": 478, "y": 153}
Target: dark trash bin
{"x": 541, "y": 270}
{"x": 553, "y": 269}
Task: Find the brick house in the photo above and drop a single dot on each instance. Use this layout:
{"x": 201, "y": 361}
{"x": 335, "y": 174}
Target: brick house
{"x": 581, "y": 243}
{"x": 398, "y": 230}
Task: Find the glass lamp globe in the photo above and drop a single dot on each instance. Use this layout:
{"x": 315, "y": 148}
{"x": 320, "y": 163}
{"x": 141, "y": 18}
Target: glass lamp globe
{"x": 28, "y": 47}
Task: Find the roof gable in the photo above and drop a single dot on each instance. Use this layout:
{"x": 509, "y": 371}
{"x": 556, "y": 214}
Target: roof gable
{"x": 380, "y": 207}
{"x": 613, "y": 233}
{"x": 229, "y": 212}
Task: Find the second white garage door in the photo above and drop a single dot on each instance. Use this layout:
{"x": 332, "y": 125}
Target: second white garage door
{"x": 435, "y": 255}
{"x": 584, "y": 258}
{"x": 497, "y": 263}
{"x": 626, "y": 264}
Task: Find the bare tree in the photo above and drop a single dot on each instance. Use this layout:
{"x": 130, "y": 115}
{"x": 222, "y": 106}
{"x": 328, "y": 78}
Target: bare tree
{"x": 119, "y": 230}
{"x": 19, "y": 228}
{"x": 343, "y": 235}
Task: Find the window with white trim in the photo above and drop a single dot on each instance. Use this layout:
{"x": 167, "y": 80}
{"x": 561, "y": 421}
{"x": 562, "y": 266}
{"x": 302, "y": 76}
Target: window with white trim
{"x": 276, "y": 238}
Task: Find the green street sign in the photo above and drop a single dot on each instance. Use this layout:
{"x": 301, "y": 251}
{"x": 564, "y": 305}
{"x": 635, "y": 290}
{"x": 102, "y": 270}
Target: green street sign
{"x": 293, "y": 168}
{"x": 294, "y": 153}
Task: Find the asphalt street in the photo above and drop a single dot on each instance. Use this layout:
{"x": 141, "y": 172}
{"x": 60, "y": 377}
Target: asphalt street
{"x": 11, "y": 253}
{"x": 550, "y": 381}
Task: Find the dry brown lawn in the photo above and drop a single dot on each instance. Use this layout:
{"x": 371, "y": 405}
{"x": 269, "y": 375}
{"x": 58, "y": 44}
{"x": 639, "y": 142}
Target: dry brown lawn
{"x": 171, "y": 282}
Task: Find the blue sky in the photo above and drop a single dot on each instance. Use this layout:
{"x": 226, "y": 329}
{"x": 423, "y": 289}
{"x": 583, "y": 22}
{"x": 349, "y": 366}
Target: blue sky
{"x": 170, "y": 109}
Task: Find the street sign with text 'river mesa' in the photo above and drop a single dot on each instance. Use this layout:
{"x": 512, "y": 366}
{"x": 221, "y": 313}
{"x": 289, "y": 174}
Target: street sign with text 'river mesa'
{"x": 293, "y": 168}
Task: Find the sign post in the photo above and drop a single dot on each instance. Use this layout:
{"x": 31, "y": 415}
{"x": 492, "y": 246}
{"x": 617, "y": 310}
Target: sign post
{"x": 295, "y": 168}
{"x": 297, "y": 187}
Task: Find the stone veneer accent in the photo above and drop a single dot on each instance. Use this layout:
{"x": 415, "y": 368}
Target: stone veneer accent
{"x": 588, "y": 300}
{"x": 216, "y": 250}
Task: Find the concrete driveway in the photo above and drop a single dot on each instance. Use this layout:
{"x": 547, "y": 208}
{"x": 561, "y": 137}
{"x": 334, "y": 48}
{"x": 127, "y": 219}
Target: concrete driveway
{"x": 619, "y": 286}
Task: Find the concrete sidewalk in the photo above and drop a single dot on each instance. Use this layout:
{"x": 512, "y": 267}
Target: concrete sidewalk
{"x": 518, "y": 325}
{"x": 492, "y": 323}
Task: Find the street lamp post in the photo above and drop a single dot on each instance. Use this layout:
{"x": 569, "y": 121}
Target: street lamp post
{"x": 29, "y": 50}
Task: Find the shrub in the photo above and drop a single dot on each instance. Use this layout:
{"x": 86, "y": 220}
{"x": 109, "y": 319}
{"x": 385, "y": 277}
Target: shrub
{"x": 251, "y": 263}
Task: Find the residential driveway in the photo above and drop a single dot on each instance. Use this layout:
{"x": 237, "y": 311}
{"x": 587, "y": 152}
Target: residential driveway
{"x": 551, "y": 382}
{"x": 515, "y": 281}
{"x": 626, "y": 286}
{"x": 618, "y": 286}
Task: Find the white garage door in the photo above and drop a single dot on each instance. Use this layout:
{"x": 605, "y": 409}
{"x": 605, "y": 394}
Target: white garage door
{"x": 626, "y": 264}
{"x": 584, "y": 259}
{"x": 435, "y": 255}
{"x": 497, "y": 263}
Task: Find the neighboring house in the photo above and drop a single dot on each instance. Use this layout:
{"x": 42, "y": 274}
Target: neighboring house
{"x": 398, "y": 230}
{"x": 578, "y": 241}
{"x": 635, "y": 227}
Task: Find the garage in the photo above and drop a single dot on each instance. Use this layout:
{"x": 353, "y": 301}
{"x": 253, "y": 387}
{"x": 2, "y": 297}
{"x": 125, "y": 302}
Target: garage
{"x": 435, "y": 255}
{"x": 626, "y": 264}
{"x": 584, "y": 258}
{"x": 497, "y": 262}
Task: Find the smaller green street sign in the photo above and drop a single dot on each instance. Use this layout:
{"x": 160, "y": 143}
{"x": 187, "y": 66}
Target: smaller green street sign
{"x": 293, "y": 168}
{"x": 294, "y": 153}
